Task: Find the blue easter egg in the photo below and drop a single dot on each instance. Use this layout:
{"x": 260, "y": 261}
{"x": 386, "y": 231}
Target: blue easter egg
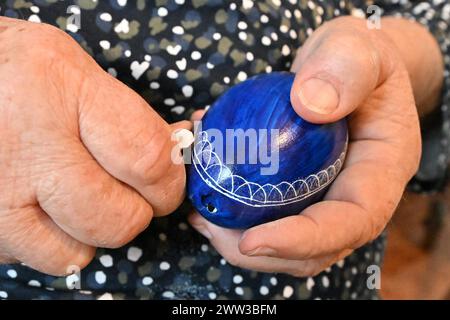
{"x": 254, "y": 160}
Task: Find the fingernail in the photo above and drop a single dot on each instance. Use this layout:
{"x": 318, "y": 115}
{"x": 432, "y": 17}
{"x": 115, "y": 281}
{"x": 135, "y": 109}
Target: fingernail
{"x": 262, "y": 251}
{"x": 203, "y": 231}
{"x": 183, "y": 137}
{"x": 319, "y": 96}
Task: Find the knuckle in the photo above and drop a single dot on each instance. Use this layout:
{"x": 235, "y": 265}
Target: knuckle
{"x": 377, "y": 223}
{"x": 49, "y": 44}
{"x": 409, "y": 142}
{"x": 54, "y": 50}
{"x": 364, "y": 233}
{"x": 47, "y": 36}
{"x": 49, "y": 191}
{"x": 153, "y": 157}
{"x": 110, "y": 237}
{"x": 69, "y": 264}
{"x": 129, "y": 226}
{"x": 352, "y": 47}
{"x": 44, "y": 39}
{"x": 81, "y": 261}
{"x": 309, "y": 251}
{"x": 173, "y": 195}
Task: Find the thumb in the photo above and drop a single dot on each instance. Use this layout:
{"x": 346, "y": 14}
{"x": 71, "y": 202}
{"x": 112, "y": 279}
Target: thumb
{"x": 335, "y": 72}
{"x": 132, "y": 142}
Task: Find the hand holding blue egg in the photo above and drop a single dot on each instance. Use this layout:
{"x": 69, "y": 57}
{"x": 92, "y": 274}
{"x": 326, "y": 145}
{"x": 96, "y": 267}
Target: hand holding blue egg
{"x": 254, "y": 160}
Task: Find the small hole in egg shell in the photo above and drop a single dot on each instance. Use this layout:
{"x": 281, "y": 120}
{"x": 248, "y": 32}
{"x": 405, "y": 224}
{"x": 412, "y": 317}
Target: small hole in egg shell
{"x": 211, "y": 208}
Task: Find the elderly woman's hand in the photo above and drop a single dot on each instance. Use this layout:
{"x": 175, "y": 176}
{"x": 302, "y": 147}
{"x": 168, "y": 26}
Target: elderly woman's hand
{"x": 345, "y": 69}
{"x": 84, "y": 161}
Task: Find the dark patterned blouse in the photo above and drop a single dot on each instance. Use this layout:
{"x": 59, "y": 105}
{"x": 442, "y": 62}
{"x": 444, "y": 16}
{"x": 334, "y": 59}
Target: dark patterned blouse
{"x": 180, "y": 56}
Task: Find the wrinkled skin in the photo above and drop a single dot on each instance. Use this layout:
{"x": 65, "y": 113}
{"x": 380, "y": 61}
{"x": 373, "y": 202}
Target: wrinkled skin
{"x": 376, "y": 77}
{"x": 84, "y": 161}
